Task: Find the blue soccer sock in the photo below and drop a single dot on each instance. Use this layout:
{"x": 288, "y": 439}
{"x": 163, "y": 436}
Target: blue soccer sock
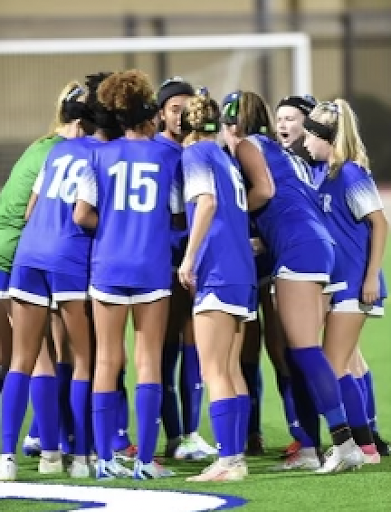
{"x": 104, "y": 420}
{"x": 33, "y": 430}
{"x": 170, "y": 413}
{"x": 370, "y": 401}
{"x": 64, "y": 376}
{"x": 44, "y": 397}
{"x": 253, "y": 378}
{"x": 223, "y": 414}
{"x": 243, "y": 407}
{"x": 121, "y": 439}
{"x": 355, "y": 410}
{"x": 15, "y": 397}
{"x": 82, "y": 421}
{"x": 191, "y": 388}
{"x": 306, "y": 410}
{"x": 323, "y": 385}
{"x": 148, "y": 399}
{"x": 284, "y": 384}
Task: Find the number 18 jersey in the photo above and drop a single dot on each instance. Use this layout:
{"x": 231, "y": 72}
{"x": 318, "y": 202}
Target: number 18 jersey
{"x": 51, "y": 240}
{"x": 137, "y": 190}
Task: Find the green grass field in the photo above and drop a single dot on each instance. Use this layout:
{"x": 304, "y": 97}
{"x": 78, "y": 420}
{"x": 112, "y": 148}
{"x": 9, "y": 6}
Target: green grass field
{"x": 368, "y": 490}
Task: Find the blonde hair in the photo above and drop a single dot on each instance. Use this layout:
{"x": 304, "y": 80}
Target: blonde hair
{"x": 347, "y": 144}
{"x": 58, "y": 120}
{"x": 200, "y": 110}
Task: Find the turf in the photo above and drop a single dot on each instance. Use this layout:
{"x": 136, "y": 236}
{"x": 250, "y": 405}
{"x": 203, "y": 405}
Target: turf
{"x": 366, "y": 490}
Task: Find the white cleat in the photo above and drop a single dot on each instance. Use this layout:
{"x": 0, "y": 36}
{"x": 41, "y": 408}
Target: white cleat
{"x": 8, "y": 468}
{"x": 111, "y": 469}
{"x": 50, "y": 467}
{"x": 194, "y": 447}
{"x": 346, "y": 457}
{"x": 222, "y": 470}
{"x": 31, "y": 446}
{"x": 305, "y": 458}
{"x": 79, "y": 469}
{"x": 150, "y": 471}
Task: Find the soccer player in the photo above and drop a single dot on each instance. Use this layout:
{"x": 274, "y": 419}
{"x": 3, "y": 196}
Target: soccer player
{"x": 251, "y": 349}
{"x": 355, "y": 218}
{"x": 290, "y": 227}
{"x": 131, "y": 267}
{"x": 183, "y": 440}
{"x": 13, "y": 203}
{"x": 107, "y": 128}
{"x": 218, "y": 265}
{"x": 56, "y": 269}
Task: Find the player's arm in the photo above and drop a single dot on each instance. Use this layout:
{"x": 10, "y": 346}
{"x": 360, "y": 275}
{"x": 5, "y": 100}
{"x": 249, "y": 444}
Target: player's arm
{"x": 85, "y": 215}
{"x": 204, "y": 211}
{"x": 379, "y": 230}
{"x": 255, "y": 168}
{"x": 34, "y": 193}
{"x": 84, "y": 212}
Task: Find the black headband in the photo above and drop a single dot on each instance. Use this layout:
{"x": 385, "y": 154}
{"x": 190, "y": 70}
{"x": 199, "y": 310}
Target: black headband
{"x": 303, "y": 103}
{"x": 320, "y": 130}
{"x": 131, "y": 119}
{"x": 173, "y": 87}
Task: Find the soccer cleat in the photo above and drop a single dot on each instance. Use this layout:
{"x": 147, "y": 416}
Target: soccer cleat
{"x": 126, "y": 455}
{"x": 201, "y": 445}
{"x": 111, "y": 469}
{"x": 49, "y": 467}
{"x": 255, "y": 445}
{"x": 371, "y": 455}
{"x": 171, "y": 446}
{"x": 8, "y": 468}
{"x": 291, "y": 449}
{"x": 222, "y": 471}
{"x": 79, "y": 469}
{"x": 342, "y": 458}
{"x": 305, "y": 458}
{"x": 31, "y": 446}
{"x": 150, "y": 471}
{"x": 382, "y": 446}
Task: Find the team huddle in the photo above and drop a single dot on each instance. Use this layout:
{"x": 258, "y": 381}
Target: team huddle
{"x": 188, "y": 217}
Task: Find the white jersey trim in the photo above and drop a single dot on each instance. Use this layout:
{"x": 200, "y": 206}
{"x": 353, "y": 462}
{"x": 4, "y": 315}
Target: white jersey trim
{"x": 32, "y": 298}
{"x": 286, "y": 273}
{"x": 212, "y": 303}
{"x": 64, "y": 296}
{"x": 128, "y": 300}
{"x": 355, "y": 306}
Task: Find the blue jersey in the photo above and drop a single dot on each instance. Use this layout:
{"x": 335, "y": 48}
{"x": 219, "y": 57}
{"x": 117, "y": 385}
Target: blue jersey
{"x": 51, "y": 240}
{"x": 178, "y": 236}
{"x": 292, "y": 216}
{"x": 136, "y": 188}
{"x": 346, "y": 199}
{"x": 225, "y": 255}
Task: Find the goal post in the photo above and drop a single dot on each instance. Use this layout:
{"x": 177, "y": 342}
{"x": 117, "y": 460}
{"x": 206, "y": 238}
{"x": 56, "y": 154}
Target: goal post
{"x": 298, "y": 42}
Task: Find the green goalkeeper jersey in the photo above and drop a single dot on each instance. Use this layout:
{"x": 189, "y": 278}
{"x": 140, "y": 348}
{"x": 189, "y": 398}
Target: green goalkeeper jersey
{"x": 15, "y": 196}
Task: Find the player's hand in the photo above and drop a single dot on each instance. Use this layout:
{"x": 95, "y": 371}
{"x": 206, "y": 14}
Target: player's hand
{"x": 370, "y": 289}
{"x": 185, "y": 274}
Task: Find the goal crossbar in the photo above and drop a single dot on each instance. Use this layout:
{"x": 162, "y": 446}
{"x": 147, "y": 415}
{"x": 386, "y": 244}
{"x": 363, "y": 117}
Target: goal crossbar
{"x": 298, "y": 42}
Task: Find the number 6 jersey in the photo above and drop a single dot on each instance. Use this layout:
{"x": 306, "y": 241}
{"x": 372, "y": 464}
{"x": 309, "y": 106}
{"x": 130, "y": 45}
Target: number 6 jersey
{"x": 138, "y": 188}
{"x": 51, "y": 240}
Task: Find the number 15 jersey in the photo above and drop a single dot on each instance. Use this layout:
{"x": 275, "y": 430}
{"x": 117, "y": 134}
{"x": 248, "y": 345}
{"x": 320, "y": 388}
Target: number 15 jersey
{"x": 137, "y": 191}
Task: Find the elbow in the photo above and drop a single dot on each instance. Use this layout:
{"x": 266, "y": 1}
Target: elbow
{"x": 78, "y": 218}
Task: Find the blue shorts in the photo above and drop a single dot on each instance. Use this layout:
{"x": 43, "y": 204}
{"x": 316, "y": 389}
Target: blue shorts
{"x": 4, "y": 284}
{"x": 349, "y": 300}
{"x": 237, "y": 300}
{"x": 42, "y": 287}
{"x": 309, "y": 261}
{"x": 126, "y": 295}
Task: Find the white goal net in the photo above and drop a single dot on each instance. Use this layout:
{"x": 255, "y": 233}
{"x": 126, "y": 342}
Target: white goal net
{"x": 33, "y": 71}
